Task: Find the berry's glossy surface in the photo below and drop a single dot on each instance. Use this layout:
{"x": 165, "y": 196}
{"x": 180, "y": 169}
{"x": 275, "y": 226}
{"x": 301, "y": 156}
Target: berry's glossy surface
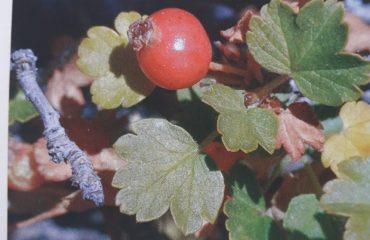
{"x": 172, "y": 48}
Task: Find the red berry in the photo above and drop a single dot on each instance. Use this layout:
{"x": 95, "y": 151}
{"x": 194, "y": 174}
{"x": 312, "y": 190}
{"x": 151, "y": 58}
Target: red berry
{"x": 172, "y": 48}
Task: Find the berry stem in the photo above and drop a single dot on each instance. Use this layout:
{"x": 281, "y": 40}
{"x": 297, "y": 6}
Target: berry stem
{"x": 60, "y": 147}
{"x": 226, "y": 68}
{"x": 270, "y": 86}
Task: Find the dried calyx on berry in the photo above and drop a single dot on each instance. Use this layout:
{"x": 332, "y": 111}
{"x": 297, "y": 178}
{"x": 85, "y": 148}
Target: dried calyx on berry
{"x": 139, "y": 33}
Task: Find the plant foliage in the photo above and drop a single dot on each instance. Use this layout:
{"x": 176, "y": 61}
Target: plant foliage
{"x": 349, "y": 196}
{"x": 236, "y": 122}
{"x": 308, "y": 47}
{"x": 246, "y": 209}
{"x": 164, "y": 169}
{"x": 106, "y": 55}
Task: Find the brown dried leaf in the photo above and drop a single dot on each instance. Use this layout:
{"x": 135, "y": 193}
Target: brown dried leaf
{"x": 231, "y": 53}
{"x": 296, "y": 184}
{"x": 205, "y": 231}
{"x": 261, "y": 163}
{"x": 237, "y": 62}
{"x": 58, "y": 209}
{"x": 304, "y": 111}
{"x": 49, "y": 170}
{"x": 254, "y": 70}
{"x": 293, "y": 133}
{"x": 38, "y": 200}
{"x": 237, "y": 57}
{"x": 53, "y": 200}
{"x": 272, "y": 103}
{"x": 22, "y": 168}
{"x": 91, "y": 135}
{"x": 301, "y": 3}
{"x": 65, "y": 84}
{"x": 237, "y": 33}
{"x": 359, "y": 34}
{"x": 223, "y": 158}
{"x": 106, "y": 160}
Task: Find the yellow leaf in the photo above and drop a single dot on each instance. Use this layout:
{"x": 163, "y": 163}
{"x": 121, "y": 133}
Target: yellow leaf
{"x": 106, "y": 55}
{"x": 353, "y": 113}
{"x": 123, "y": 21}
{"x": 353, "y": 140}
{"x": 95, "y": 51}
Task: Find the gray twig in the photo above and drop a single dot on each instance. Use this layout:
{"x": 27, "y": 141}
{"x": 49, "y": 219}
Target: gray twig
{"x": 60, "y": 147}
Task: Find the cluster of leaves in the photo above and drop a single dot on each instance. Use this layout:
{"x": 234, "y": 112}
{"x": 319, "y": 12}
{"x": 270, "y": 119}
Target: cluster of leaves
{"x": 106, "y": 55}
{"x": 166, "y": 169}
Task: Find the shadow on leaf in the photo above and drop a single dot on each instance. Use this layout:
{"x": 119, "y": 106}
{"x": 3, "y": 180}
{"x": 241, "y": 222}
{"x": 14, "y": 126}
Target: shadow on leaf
{"x": 123, "y": 63}
{"x": 206, "y": 116}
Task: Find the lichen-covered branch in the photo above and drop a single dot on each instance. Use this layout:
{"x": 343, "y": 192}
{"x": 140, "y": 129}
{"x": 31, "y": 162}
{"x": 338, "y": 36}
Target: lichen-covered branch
{"x": 59, "y": 145}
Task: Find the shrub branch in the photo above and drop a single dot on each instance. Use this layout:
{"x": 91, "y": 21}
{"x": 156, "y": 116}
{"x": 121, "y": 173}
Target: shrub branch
{"x": 60, "y": 147}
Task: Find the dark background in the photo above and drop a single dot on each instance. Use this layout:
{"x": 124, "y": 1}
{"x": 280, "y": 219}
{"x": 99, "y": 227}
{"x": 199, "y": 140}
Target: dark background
{"x": 37, "y": 24}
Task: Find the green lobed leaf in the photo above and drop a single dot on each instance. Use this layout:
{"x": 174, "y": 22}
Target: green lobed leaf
{"x": 246, "y": 209}
{"x": 241, "y": 128}
{"x": 106, "y": 55}
{"x": 349, "y": 196}
{"x": 305, "y": 219}
{"x": 20, "y": 109}
{"x": 308, "y": 47}
{"x": 165, "y": 170}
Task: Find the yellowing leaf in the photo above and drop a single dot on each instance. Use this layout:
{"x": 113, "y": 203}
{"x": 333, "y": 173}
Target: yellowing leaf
{"x": 353, "y": 140}
{"x": 95, "y": 50}
{"x": 241, "y": 128}
{"x": 165, "y": 170}
{"x": 123, "y": 21}
{"x": 106, "y": 55}
{"x": 308, "y": 47}
{"x": 353, "y": 113}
